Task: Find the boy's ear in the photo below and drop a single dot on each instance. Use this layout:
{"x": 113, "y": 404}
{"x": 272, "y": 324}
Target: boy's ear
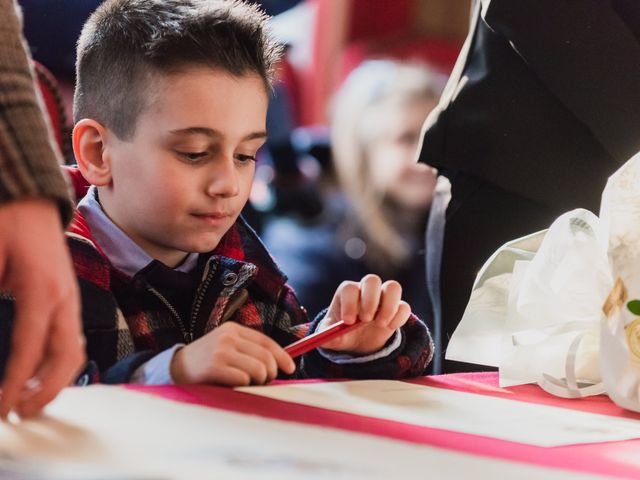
{"x": 89, "y": 142}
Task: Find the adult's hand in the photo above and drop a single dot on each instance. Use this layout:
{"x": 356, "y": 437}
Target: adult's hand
{"x": 47, "y": 347}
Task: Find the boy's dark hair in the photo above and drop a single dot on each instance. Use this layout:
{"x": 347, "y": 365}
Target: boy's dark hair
{"x": 125, "y": 42}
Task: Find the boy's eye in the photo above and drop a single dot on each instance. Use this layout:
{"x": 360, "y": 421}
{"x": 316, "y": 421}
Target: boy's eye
{"x": 245, "y": 158}
{"x": 192, "y": 156}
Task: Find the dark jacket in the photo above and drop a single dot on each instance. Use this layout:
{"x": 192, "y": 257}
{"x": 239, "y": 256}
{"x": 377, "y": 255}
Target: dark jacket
{"x": 543, "y": 101}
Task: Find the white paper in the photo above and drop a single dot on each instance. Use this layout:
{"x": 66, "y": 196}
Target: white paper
{"x": 90, "y": 432}
{"x": 469, "y": 413}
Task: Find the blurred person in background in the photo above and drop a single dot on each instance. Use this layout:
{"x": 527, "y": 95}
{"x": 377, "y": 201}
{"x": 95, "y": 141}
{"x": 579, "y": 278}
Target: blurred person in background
{"x": 542, "y": 106}
{"x": 375, "y": 208}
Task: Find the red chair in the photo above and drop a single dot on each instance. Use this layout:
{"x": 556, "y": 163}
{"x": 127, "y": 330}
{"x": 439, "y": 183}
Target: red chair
{"x": 346, "y": 32}
{"x": 53, "y": 101}
{"x": 78, "y": 183}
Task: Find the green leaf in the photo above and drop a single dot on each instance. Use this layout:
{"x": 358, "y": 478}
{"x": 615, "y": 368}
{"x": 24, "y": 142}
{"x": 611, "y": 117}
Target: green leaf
{"x": 634, "y": 307}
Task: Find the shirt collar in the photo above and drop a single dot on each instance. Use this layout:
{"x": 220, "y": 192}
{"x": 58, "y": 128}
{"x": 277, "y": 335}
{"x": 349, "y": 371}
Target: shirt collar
{"x": 123, "y": 253}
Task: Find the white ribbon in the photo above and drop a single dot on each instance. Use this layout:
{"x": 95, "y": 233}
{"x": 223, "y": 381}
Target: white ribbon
{"x": 570, "y": 386}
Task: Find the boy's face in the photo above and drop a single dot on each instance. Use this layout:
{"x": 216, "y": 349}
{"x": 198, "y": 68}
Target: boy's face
{"x": 180, "y": 183}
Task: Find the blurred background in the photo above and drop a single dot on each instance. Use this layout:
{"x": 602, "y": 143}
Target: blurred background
{"x": 326, "y": 40}
{"x": 337, "y": 193}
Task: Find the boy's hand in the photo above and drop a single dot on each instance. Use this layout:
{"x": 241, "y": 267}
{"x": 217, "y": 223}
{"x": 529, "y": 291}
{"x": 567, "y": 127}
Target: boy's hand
{"x": 231, "y": 355}
{"x": 377, "y": 305}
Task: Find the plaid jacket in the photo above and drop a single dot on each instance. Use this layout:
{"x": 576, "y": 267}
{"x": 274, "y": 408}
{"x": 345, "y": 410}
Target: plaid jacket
{"x": 126, "y": 323}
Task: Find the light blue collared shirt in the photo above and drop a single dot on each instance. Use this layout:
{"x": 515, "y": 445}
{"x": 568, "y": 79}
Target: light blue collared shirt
{"x": 127, "y": 256}
{"x": 123, "y": 253}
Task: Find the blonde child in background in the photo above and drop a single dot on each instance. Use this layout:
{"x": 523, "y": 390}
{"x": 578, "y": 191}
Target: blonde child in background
{"x": 376, "y": 210}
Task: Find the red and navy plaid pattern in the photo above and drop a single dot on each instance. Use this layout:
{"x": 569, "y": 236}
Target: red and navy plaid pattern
{"x": 125, "y": 324}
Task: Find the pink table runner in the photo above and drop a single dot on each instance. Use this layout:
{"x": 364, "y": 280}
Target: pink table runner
{"x": 619, "y": 459}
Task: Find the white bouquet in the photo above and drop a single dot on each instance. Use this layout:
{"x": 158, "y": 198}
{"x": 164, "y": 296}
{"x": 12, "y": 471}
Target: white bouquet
{"x": 551, "y": 308}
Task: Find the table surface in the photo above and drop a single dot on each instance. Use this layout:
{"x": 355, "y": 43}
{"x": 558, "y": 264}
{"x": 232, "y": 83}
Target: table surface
{"x": 619, "y": 459}
{"x": 195, "y": 431}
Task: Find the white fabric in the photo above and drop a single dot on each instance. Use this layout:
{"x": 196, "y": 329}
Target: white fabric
{"x": 536, "y": 309}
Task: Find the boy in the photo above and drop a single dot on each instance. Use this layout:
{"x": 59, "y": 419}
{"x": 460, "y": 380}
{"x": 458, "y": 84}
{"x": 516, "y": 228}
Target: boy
{"x": 170, "y": 110}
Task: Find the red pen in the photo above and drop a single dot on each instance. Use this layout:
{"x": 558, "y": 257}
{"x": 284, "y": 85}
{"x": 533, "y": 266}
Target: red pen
{"x": 317, "y": 339}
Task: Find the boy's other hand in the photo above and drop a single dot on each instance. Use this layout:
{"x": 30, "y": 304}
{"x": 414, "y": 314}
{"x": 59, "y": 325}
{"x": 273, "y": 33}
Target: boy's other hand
{"x": 379, "y": 306}
{"x": 231, "y": 355}
{"x": 47, "y": 347}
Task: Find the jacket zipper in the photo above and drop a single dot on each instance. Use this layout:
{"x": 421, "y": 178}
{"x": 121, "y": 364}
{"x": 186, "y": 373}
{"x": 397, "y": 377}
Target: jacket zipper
{"x": 6, "y": 296}
{"x": 199, "y": 298}
{"x": 186, "y": 334}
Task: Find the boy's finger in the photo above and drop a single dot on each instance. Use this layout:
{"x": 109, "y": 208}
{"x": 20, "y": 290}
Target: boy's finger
{"x": 260, "y": 353}
{"x": 349, "y": 294}
{"x": 29, "y": 330}
{"x": 369, "y": 297}
{"x": 253, "y": 367}
{"x": 334, "y": 308}
{"x": 389, "y": 302}
{"x": 401, "y": 316}
{"x": 282, "y": 358}
{"x": 232, "y": 377}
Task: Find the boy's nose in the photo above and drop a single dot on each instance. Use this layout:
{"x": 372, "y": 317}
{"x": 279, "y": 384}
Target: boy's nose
{"x": 223, "y": 178}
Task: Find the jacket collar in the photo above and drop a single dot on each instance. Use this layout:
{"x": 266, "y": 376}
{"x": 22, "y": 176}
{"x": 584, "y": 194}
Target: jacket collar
{"x": 123, "y": 253}
{"x": 240, "y": 245}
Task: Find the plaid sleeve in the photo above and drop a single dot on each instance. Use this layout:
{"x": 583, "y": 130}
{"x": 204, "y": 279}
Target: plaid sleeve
{"x": 410, "y": 359}
{"x": 29, "y": 159}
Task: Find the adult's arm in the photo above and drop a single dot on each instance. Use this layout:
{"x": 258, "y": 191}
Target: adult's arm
{"x": 46, "y": 346}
